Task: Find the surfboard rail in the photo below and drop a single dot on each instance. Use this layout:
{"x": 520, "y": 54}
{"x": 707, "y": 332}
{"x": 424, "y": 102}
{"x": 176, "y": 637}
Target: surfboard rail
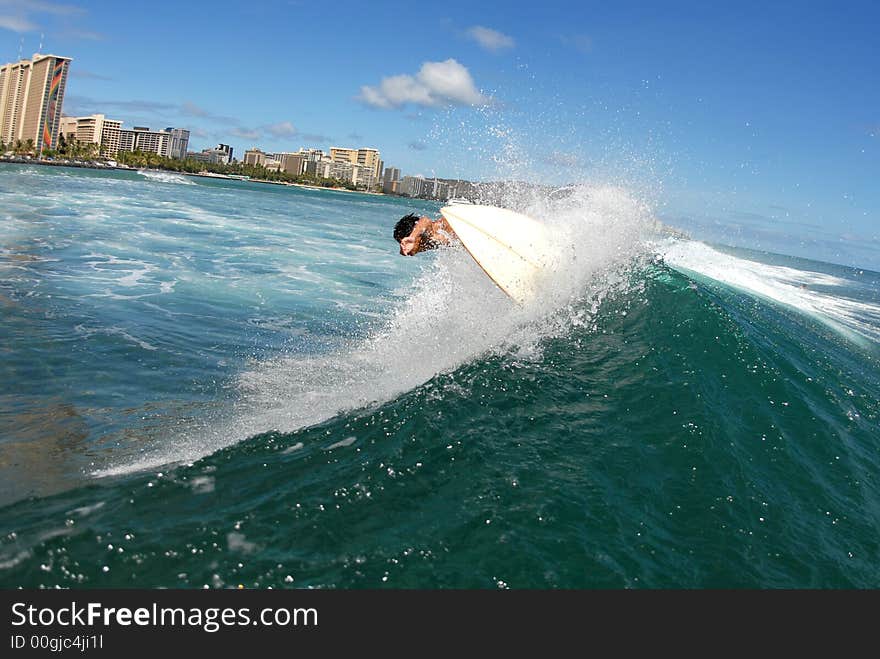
{"x": 511, "y": 248}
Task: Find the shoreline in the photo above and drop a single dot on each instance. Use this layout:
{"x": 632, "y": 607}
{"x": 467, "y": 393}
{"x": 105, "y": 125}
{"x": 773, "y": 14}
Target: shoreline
{"x": 95, "y": 165}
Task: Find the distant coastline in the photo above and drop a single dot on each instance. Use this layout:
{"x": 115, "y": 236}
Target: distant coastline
{"x": 103, "y": 166}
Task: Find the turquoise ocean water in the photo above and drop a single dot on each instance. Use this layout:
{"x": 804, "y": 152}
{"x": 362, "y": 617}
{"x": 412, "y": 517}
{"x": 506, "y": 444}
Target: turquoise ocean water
{"x": 214, "y": 383}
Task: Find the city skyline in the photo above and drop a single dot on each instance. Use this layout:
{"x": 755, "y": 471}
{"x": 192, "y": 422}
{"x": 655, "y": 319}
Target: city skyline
{"x": 750, "y": 124}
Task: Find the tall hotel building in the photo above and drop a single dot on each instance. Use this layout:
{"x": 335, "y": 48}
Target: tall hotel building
{"x": 366, "y": 158}
{"x": 31, "y": 95}
{"x": 141, "y": 138}
{"x": 178, "y": 142}
{"x": 94, "y": 129}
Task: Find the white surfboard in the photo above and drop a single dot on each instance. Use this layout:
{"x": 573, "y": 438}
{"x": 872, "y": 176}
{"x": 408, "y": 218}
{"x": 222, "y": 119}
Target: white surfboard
{"x": 513, "y": 249}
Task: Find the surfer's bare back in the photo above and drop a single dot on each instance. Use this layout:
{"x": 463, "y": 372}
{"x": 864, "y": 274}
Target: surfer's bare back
{"x": 418, "y": 234}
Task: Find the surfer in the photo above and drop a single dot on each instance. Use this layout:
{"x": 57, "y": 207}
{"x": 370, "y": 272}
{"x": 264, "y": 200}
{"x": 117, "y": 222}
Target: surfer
{"x": 418, "y": 234}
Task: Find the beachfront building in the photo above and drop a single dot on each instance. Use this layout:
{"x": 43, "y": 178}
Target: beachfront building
{"x": 31, "y": 96}
{"x": 273, "y": 162}
{"x": 67, "y": 128}
{"x": 178, "y": 142}
{"x": 93, "y": 129}
{"x": 141, "y": 138}
{"x": 390, "y": 180}
{"x": 438, "y": 189}
{"x": 413, "y": 186}
{"x": 224, "y": 152}
{"x": 219, "y": 155}
{"x": 293, "y": 163}
{"x": 329, "y": 169}
{"x": 201, "y": 156}
{"x": 363, "y": 176}
{"x": 312, "y": 155}
{"x": 364, "y": 157}
{"x": 358, "y": 175}
{"x": 254, "y": 157}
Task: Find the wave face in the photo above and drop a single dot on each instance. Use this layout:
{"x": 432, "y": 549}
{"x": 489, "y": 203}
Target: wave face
{"x": 209, "y": 398}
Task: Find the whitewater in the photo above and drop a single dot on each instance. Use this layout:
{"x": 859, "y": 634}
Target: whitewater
{"x": 175, "y": 340}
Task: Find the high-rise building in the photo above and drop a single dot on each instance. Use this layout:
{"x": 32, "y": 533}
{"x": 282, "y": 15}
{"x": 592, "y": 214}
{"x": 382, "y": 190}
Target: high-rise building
{"x": 413, "y": 186}
{"x": 226, "y": 152}
{"x": 293, "y": 163}
{"x": 254, "y": 157}
{"x": 67, "y": 128}
{"x": 111, "y": 134}
{"x": 364, "y": 157}
{"x": 313, "y": 155}
{"x": 363, "y": 176}
{"x": 201, "y": 156}
{"x": 94, "y": 129}
{"x": 31, "y": 96}
{"x": 220, "y": 155}
{"x": 141, "y": 138}
{"x": 178, "y": 142}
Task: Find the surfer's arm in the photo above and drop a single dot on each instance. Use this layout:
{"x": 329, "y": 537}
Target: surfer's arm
{"x": 436, "y": 232}
{"x": 412, "y": 244}
{"x": 443, "y": 232}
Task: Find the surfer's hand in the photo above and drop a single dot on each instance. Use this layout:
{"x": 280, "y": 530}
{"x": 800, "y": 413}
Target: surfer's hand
{"x": 408, "y": 246}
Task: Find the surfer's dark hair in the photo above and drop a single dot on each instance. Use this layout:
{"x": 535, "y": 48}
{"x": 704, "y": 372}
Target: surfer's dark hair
{"x": 405, "y": 226}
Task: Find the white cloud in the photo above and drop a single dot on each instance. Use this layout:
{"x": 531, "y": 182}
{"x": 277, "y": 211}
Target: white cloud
{"x": 281, "y": 129}
{"x": 191, "y": 108}
{"x": 490, "y": 39}
{"x": 43, "y": 7}
{"x": 245, "y": 133}
{"x": 17, "y": 24}
{"x": 436, "y": 84}
{"x": 17, "y": 14}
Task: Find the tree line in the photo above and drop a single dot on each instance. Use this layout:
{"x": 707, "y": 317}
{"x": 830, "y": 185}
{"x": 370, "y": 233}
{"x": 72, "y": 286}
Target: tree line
{"x": 74, "y": 149}
{"x": 149, "y": 160}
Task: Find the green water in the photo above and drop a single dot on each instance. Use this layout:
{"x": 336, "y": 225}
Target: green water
{"x": 685, "y": 434}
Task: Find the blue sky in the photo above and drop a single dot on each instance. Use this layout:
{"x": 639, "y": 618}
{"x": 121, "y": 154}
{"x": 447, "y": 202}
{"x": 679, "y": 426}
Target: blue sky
{"x": 745, "y": 123}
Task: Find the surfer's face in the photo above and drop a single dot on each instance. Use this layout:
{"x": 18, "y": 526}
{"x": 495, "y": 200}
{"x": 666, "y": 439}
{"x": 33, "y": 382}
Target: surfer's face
{"x": 419, "y": 242}
{"x": 411, "y": 245}
{"x": 406, "y": 246}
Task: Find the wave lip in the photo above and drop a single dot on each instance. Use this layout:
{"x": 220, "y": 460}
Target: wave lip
{"x": 796, "y": 289}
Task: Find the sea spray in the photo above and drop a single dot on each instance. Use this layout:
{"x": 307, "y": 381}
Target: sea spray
{"x": 808, "y": 292}
{"x": 655, "y": 429}
{"x": 165, "y": 177}
{"x": 448, "y": 315}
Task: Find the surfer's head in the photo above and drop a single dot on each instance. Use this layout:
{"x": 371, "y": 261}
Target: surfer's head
{"x": 405, "y": 226}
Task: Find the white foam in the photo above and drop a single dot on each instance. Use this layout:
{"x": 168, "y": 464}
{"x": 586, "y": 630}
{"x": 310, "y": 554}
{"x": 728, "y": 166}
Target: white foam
{"x": 788, "y": 286}
{"x": 116, "y": 331}
{"x": 165, "y": 177}
{"x": 450, "y": 314}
